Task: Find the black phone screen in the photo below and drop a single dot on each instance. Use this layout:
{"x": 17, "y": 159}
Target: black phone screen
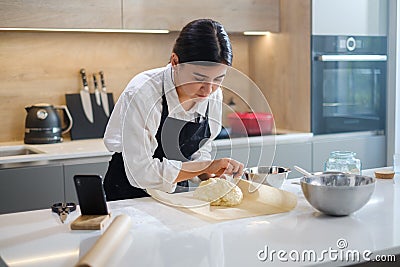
{"x": 91, "y": 196}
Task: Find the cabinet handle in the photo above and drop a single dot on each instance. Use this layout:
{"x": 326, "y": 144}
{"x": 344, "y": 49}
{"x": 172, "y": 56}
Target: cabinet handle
{"x": 352, "y": 58}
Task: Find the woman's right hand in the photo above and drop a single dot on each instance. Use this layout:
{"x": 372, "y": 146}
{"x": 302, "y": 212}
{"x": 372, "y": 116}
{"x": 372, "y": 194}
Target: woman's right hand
{"x": 218, "y": 167}
{"x": 226, "y": 166}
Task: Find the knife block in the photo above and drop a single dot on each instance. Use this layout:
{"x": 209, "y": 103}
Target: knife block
{"x": 82, "y": 128}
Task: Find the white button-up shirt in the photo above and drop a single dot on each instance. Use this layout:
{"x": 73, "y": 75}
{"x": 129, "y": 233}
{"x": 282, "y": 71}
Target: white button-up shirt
{"x": 134, "y": 122}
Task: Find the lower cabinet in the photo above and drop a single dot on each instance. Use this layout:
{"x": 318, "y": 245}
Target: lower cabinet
{"x": 38, "y": 187}
{"x": 30, "y": 188}
{"x": 291, "y": 154}
{"x": 248, "y": 155}
{"x": 98, "y": 168}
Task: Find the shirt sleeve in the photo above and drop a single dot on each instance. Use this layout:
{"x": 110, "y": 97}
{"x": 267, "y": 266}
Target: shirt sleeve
{"x": 140, "y": 121}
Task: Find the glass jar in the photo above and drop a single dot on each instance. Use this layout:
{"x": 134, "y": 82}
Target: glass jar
{"x": 343, "y": 161}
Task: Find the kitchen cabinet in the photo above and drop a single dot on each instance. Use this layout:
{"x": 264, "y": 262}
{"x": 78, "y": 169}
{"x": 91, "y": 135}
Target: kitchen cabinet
{"x": 288, "y": 155}
{"x": 37, "y": 187}
{"x": 248, "y": 155}
{"x": 371, "y": 150}
{"x": 101, "y": 14}
{"x": 70, "y": 170}
{"x": 343, "y": 17}
{"x": 237, "y": 16}
{"x": 243, "y": 15}
{"x": 30, "y": 188}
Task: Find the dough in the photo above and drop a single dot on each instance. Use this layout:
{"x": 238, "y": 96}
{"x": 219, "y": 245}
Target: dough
{"x": 219, "y": 192}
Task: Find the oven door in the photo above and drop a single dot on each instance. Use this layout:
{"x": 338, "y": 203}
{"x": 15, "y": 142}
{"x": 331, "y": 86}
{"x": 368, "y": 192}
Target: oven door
{"x": 348, "y": 93}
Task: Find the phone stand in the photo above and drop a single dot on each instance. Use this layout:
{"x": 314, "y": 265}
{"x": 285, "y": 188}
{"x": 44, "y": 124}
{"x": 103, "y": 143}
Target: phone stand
{"x": 90, "y": 222}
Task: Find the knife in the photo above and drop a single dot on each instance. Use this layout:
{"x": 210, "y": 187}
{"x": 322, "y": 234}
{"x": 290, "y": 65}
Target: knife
{"x": 104, "y": 97}
{"x": 85, "y": 97}
{"x": 96, "y": 90}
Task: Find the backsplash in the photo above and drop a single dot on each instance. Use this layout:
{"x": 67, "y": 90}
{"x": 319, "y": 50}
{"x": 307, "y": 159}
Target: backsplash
{"x": 44, "y": 66}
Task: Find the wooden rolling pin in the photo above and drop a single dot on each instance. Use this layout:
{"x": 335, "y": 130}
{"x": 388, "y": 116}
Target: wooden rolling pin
{"x": 107, "y": 244}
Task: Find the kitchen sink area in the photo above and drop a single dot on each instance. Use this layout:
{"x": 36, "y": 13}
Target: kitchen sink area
{"x": 9, "y": 151}
{"x": 18, "y": 154}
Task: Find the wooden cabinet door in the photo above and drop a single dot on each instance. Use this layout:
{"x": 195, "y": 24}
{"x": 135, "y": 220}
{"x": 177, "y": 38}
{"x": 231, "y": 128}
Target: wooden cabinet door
{"x": 60, "y": 14}
{"x": 236, "y": 16}
{"x": 30, "y": 188}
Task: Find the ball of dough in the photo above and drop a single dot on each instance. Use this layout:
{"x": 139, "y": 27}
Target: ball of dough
{"x": 219, "y": 192}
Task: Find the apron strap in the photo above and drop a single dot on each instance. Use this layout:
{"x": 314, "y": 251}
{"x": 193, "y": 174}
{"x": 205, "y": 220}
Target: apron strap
{"x": 165, "y": 111}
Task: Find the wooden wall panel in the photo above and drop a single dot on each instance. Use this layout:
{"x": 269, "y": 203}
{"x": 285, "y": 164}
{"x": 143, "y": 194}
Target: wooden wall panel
{"x": 280, "y": 66}
{"x": 60, "y": 14}
{"x": 42, "y": 67}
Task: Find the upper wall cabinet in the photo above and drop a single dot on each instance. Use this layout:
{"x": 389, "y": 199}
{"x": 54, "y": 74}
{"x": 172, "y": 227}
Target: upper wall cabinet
{"x": 344, "y": 17}
{"x": 236, "y": 16}
{"x": 60, "y": 14}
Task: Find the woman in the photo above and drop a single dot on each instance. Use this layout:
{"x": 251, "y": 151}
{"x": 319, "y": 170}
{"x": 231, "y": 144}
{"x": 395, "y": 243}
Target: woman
{"x": 163, "y": 123}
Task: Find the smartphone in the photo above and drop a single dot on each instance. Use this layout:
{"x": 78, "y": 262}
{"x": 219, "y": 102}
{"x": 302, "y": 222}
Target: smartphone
{"x": 91, "y": 196}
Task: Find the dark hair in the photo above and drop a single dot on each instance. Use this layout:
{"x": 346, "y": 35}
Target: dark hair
{"x": 203, "y": 40}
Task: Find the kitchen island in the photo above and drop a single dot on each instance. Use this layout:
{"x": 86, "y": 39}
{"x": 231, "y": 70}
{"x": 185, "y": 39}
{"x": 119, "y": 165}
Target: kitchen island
{"x": 161, "y": 235}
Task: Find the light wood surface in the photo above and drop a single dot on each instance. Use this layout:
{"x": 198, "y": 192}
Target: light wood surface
{"x": 281, "y": 66}
{"x": 43, "y": 66}
{"x": 237, "y": 16}
{"x": 60, "y": 14}
{"x": 90, "y": 222}
{"x": 40, "y": 67}
{"x": 172, "y": 15}
{"x": 257, "y": 200}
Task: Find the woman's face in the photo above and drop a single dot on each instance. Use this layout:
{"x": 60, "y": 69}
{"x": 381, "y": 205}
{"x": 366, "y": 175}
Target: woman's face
{"x": 196, "y": 82}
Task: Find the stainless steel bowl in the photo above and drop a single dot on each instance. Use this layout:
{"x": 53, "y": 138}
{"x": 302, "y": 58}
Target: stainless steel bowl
{"x": 337, "y": 194}
{"x": 269, "y": 175}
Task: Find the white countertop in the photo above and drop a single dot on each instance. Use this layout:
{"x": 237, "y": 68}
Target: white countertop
{"x": 164, "y": 236}
{"x": 87, "y": 148}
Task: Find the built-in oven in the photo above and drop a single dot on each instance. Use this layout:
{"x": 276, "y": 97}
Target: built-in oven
{"x": 348, "y": 85}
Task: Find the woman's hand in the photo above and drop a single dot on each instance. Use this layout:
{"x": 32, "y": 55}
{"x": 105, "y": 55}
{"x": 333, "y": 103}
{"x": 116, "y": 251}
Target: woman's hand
{"x": 207, "y": 169}
{"x": 226, "y": 166}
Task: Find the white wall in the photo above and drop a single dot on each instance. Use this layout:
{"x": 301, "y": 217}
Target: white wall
{"x": 354, "y": 17}
{"x": 397, "y": 104}
{"x": 393, "y": 85}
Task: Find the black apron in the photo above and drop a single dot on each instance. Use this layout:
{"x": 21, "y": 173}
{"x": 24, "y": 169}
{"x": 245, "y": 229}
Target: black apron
{"x": 177, "y": 140}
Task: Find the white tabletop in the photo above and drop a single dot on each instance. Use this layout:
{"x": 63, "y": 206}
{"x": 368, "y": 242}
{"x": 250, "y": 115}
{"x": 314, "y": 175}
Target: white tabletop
{"x": 164, "y": 236}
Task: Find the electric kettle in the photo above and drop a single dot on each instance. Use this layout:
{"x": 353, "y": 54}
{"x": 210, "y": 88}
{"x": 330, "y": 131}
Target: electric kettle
{"x": 43, "y": 124}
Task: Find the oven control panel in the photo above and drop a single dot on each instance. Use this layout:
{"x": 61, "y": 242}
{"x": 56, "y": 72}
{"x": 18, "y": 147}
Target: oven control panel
{"x": 350, "y": 43}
